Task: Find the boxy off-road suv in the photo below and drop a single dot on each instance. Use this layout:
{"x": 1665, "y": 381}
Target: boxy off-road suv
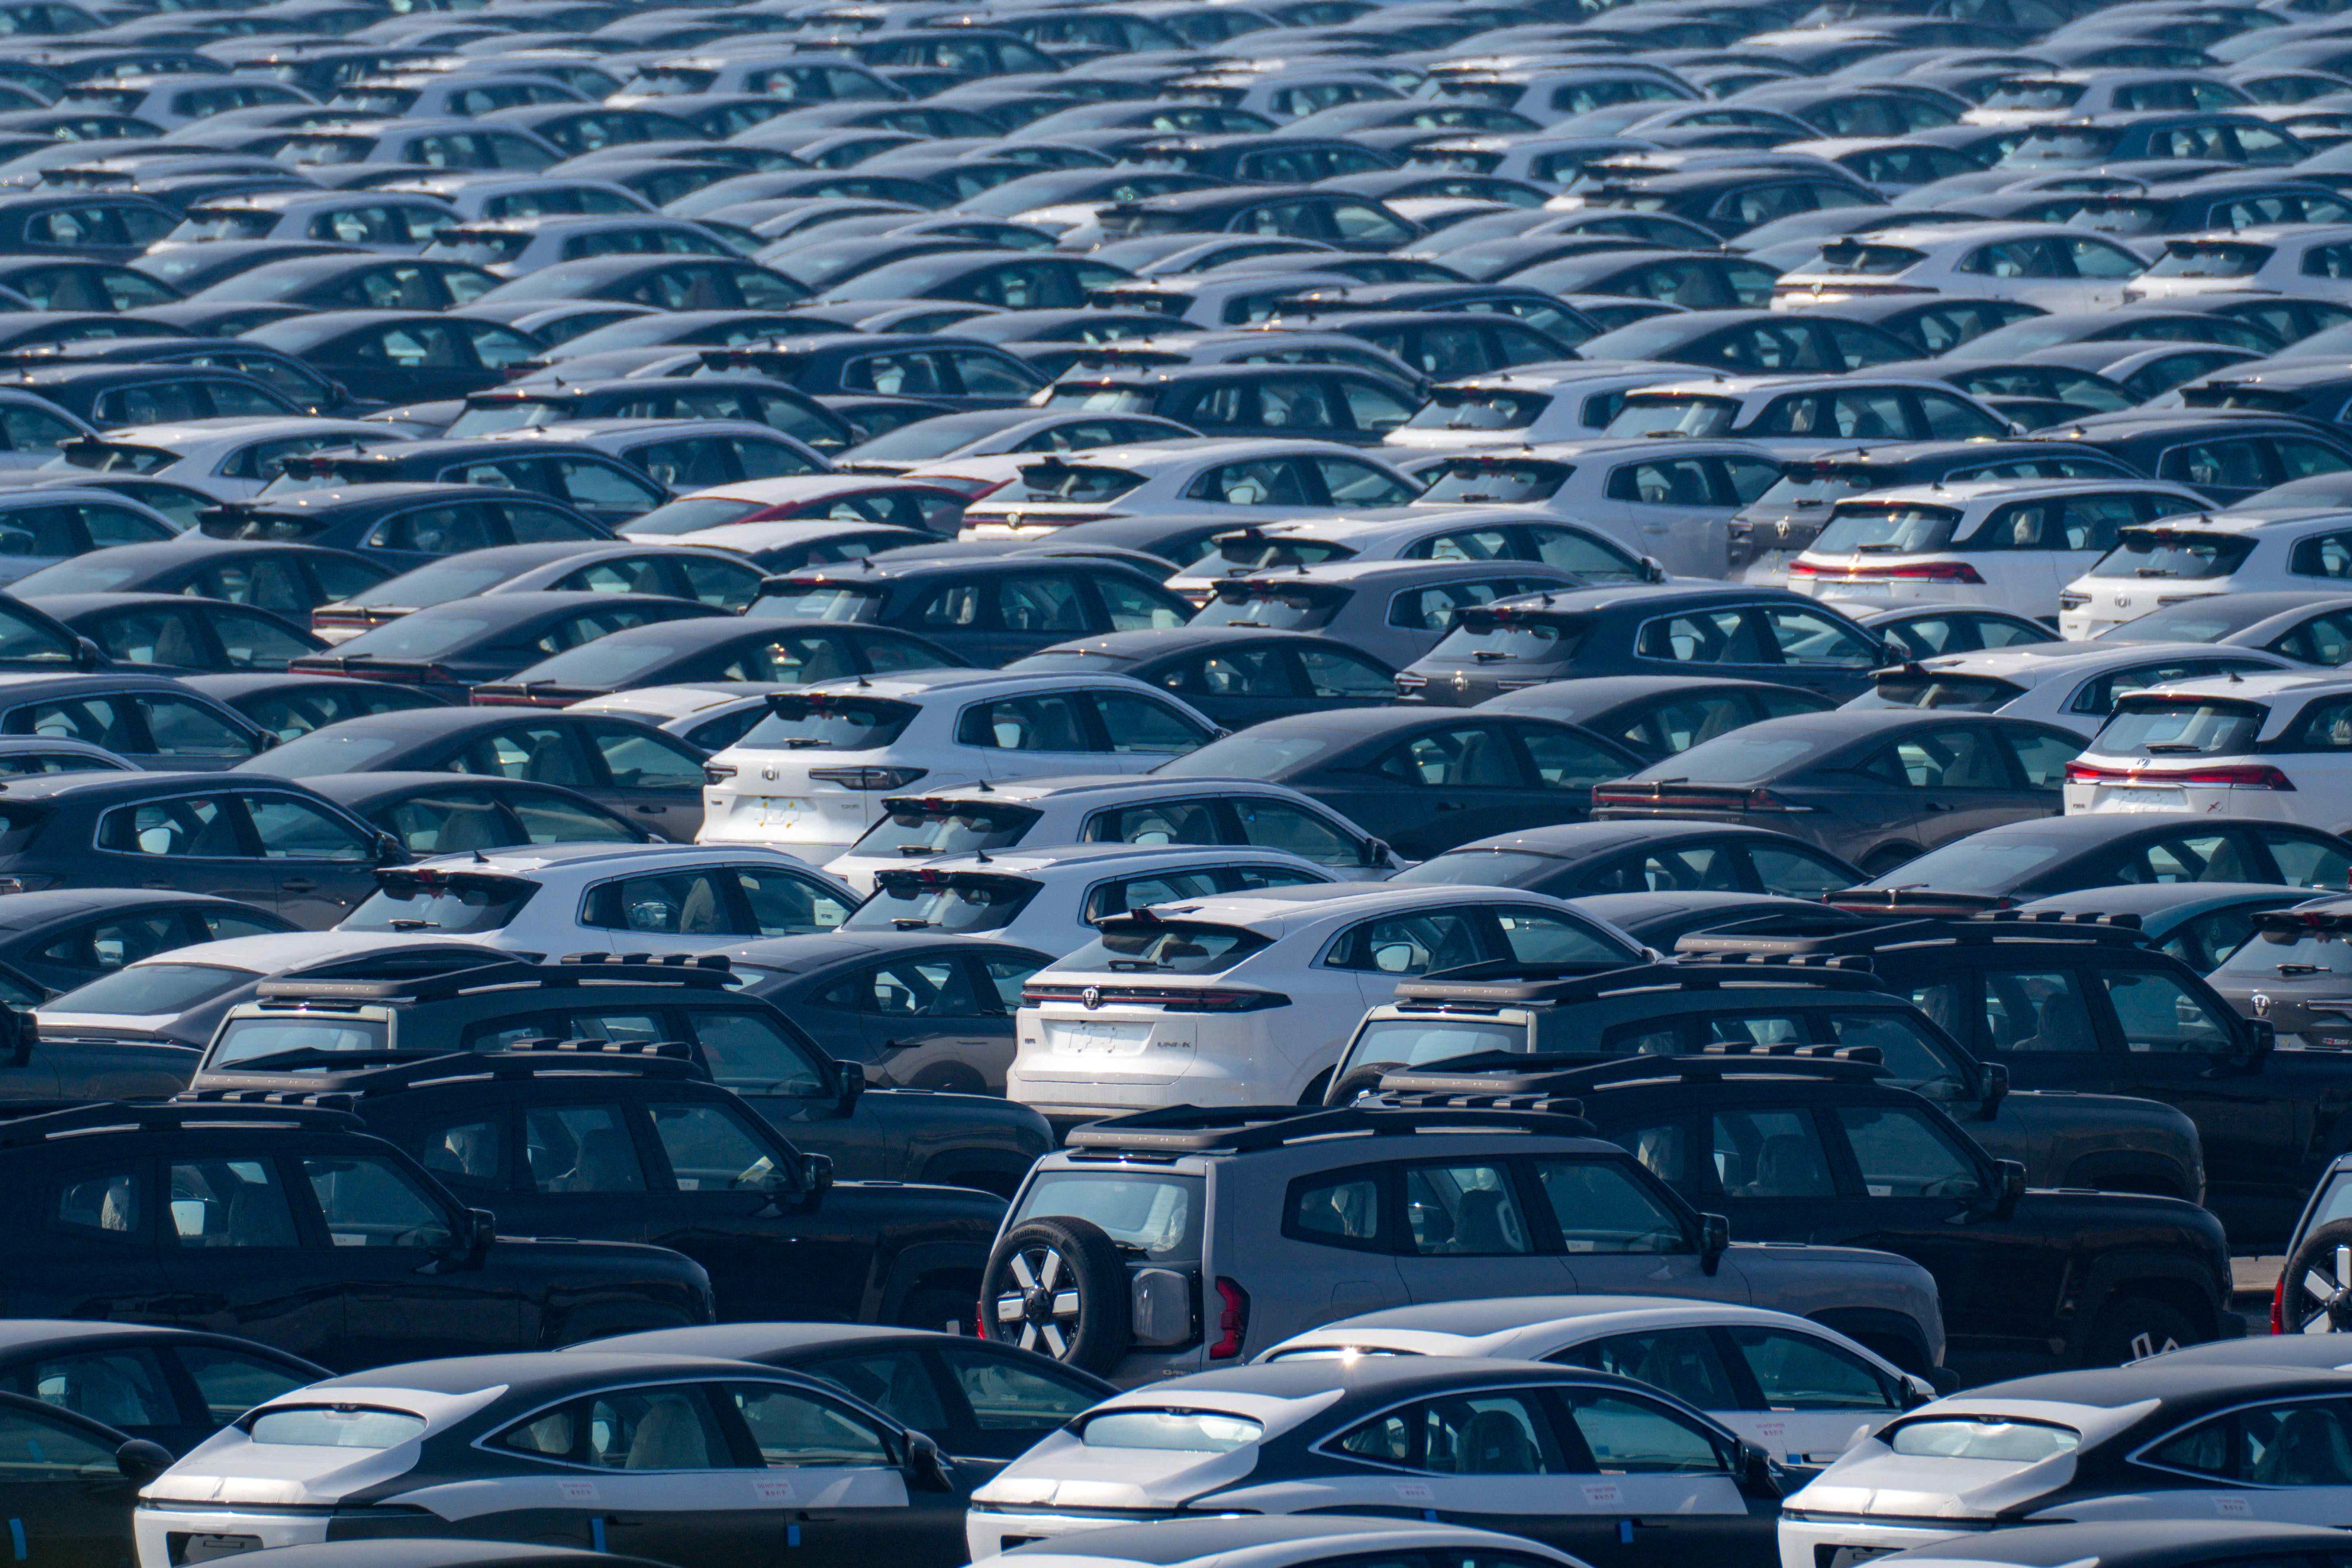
{"x": 2084, "y": 1002}
{"x": 1808, "y": 1143}
{"x": 297, "y": 1028}
{"x": 288, "y": 1225}
{"x": 1182, "y": 1239}
{"x": 629, "y": 1141}
{"x": 1678, "y": 1009}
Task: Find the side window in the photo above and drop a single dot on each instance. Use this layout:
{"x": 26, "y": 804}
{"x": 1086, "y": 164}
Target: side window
{"x": 1900, "y": 1155}
{"x": 1767, "y": 1153}
{"x": 1471, "y": 757}
{"x": 1041, "y": 604}
{"x": 1278, "y": 825}
{"x": 1045, "y": 722}
{"x": 1344, "y": 1211}
{"x": 1485, "y": 1434}
{"x": 638, "y": 761}
{"x": 374, "y": 1202}
{"x": 1799, "y": 1372}
{"x": 1682, "y": 1361}
{"x": 683, "y": 904}
{"x": 1332, "y": 673}
{"x": 581, "y": 1148}
{"x": 710, "y": 1148}
{"x": 1463, "y": 1211}
{"x": 1709, "y": 637}
{"x": 1132, "y": 609}
{"x": 749, "y": 1053}
{"x": 229, "y": 1202}
{"x": 2216, "y": 465}
{"x": 1601, "y": 1208}
{"x": 472, "y": 1151}
{"x": 1808, "y": 637}
{"x": 2299, "y": 1444}
{"x": 2027, "y": 1010}
{"x": 896, "y": 1382}
{"x": 231, "y": 1383}
{"x": 783, "y": 904}
{"x": 2306, "y": 863}
{"x": 669, "y": 1428}
{"x": 1159, "y": 823}
{"x": 2157, "y": 1014}
{"x": 34, "y": 1449}
{"x": 199, "y": 827}
{"x": 106, "y": 1205}
{"x": 914, "y": 988}
{"x": 1632, "y": 1436}
{"x": 1138, "y": 724}
{"x": 296, "y": 830}
{"x": 2322, "y": 555}
{"x": 794, "y": 1431}
{"x": 1410, "y": 944}
{"x": 1564, "y": 759}
{"x": 2043, "y": 758}
{"x": 179, "y": 728}
{"x": 1008, "y": 1394}
{"x": 1540, "y": 936}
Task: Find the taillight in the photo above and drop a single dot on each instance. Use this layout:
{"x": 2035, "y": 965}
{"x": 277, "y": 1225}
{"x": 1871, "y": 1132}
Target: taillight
{"x": 867, "y": 778}
{"x": 1233, "y": 1320}
{"x": 1917, "y": 571}
{"x": 1222, "y": 1001}
{"x": 2278, "y": 1305}
{"x": 2225, "y": 776}
{"x": 1765, "y": 800}
{"x": 717, "y": 773}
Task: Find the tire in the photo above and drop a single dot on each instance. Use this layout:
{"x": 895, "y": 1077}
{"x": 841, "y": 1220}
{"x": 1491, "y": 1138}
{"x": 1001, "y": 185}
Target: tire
{"x": 936, "y": 1309}
{"x": 1059, "y": 1287}
{"x": 2318, "y": 1295}
{"x": 2132, "y": 1327}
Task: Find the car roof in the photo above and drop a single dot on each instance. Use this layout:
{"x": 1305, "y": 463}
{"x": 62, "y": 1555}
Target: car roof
{"x": 25, "y": 912}
{"x": 1576, "y": 840}
{"x": 1231, "y": 1538}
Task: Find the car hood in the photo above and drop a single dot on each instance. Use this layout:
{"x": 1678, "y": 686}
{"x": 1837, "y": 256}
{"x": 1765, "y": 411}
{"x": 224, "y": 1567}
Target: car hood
{"x": 1872, "y": 1479}
{"x": 230, "y": 1468}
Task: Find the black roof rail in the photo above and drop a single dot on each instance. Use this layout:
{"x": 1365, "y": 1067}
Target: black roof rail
{"x": 517, "y": 1059}
{"x": 707, "y": 971}
{"x": 317, "y": 1111}
{"x": 1791, "y": 935}
{"x": 1542, "y": 1075}
{"x": 1826, "y": 971}
{"x": 1192, "y": 1128}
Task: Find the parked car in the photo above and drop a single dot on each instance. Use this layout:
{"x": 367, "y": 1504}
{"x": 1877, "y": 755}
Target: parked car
{"x": 1583, "y": 858}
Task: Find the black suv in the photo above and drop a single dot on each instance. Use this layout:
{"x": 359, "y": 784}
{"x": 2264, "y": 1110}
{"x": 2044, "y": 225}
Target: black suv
{"x": 290, "y": 1225}
{"x": 2083, "y": 1003}
{"x": 625, "y": 1141}
{"x": 296, "y": 1028}
{"x": 1808, "y": 1143}
{"x": 1680, "y": 1009}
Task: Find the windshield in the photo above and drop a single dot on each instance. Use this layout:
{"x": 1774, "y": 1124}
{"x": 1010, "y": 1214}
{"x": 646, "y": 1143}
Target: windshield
{"x": 458, "y": 904}
{"x": 253, "y": 1039}
{"x": 1245, "y": 756}
{"x": 822, "y": 722}
{"x": 2207, "y": 618}
{"x": 1191, "y": 1431}
{"x": 959, "y": 830}
{"x": 1168, "y": 946}
{"x": 933, "y": 900}
{"x": 1157, "y": 1214}
{"x": 2174, "y": 553}
{"x": 2185, "y": 726}
{"x": 151, "y": 988}
{"x": 1480, "y": 868}
{"x": 323, "y": 1426}
{"x": 817, "y": 602}
{"x": 1869, "y": 527}
{"x": 319, "y": 754}
{"x": 696, "y": 512}
{"x": 1975, "y": 866}
{"x": 1675, "y": 415}
{"x": 435, "y": 584}
{"x": 1956, "y": 1437}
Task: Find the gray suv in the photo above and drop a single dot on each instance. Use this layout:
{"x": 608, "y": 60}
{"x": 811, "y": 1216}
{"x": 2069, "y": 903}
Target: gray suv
{"x": 1182, "y": 1239}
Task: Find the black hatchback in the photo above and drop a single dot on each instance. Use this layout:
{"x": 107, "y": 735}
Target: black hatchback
{"x": 1237, "y": 676}
{"x": 987, "y": 611}
{"x": 403, "y": 526}
{"x": 175, "y": 1387}
{"x": 596, "y": 485}
{"x": 1649, "y": 857}
{"x": 2230, "y": 455}
{"x": 449, "y": 648}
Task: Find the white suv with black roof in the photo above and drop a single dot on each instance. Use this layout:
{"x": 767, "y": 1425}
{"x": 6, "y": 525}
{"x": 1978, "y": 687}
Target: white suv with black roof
{"x": 813, "y": 776}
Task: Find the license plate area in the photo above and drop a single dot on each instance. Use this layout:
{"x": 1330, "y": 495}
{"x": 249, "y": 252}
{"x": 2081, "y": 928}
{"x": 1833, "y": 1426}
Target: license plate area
{"x": 784, "y": 811}
{"x": 1096, "y": 1038}
{"x": 204, "y": 1546}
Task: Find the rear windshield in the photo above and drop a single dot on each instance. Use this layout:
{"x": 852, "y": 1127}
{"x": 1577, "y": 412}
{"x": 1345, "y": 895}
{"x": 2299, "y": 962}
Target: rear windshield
{"x": 1865, "y": 527}
{"x": 510, "y": 413}
{"x": 323, "y": 1426}
{"x": 825, "y": 722}
{"x": 1804, "y": 484}
{"x": 953, "y": 902}
{"x": 1871, "y": 260}
{"x": 1190, "y": 1431}
{"x": 1481, "y": 480}
{"x": 1412, "y": 1042}
{"x": 1157, "y": 1213}
{"x": 817, "y": 601}
{"x": 959, "y": 830}
{"x": 424, "y": 636}
{"x": 2036, "y": 94}
{"x": 1674, "y": 416}
{"x": 1077, "y": 482}
{"x": 2064, "y": 145}
{"x": 608, "y": 661}
{"x": 1974, "y": 865}
{"x": 1164, "y": 946}
{"x": 1969, "y": 693}
{"x": 2172, "y": 552}
{"x": 2159, "y": 727}
{"x": 1477, "y": 408}
{"x": 1297, "y": 610}
{"x": 118, "y": 457}
{"x": 1245, "y": 756}
{"x": 2210, "y": 258}
{"x": 693, "y": 513}
{"x": 256, "y": 1039}
{"x": 2291, "y": 944}
{"x": 459, "y": 905}
{"x": 151, "y": 988}
{"x": 2208, "y": 617}
{"x": 1491, "y": 640}
{"x": 1743, "y": 759}
{"x": 2009, "y": 1442}
{"x": 319, "y": 754}
{"x": 461, "y": 578}
{"x": 1479, "y": 869}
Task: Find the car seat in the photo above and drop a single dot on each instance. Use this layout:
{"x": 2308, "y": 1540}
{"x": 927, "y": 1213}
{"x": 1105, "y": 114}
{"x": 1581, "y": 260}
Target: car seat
{"x": 1495, "y": 1443}
{"x": 669, "y": 1437}
{"x": 2308, "y": 1450}
{"x": 1482, "y": 1227}
{"x": 1788, "y": 1166}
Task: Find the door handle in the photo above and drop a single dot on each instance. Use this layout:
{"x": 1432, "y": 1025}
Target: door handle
{"x": 649, "y": 811}
{"x": 1452, "y": 805}
{"x": 300, "y": 885}
{"x": 1938, "y": 805}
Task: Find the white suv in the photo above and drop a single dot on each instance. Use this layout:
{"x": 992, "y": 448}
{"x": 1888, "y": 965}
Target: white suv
{"x": 2008, "y": 543}
{"x": 1247, "y": 998}
{"x": 2243, "y": 551}
{"x": 1166, "y": 813}
{"x": 812, "y": 776}
{"x": 1052, "y": 899}
{"x": 2276, "y": 748}
{"x": 2075, "y": 684}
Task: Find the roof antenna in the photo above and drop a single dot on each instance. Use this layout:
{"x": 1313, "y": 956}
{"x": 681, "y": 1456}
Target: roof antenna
{"x": 982, "y": 856}
{"x": 2236, "y": 679}
{"x": 982, "y": 786}
{"x": 865, "y": 684}
{"x": 480, "y": 859}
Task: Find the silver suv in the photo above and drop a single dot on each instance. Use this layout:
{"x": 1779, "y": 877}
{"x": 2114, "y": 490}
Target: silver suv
{"x": 1182, "y": 1239}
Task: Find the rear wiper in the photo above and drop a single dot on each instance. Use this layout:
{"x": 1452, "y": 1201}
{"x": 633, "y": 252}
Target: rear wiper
{"x": 910, "y": 922}
{"x": 2172, "y": 746}
{"x": 407, "y": 924}
{"x": 1135, "y": 963}
{"x": 2156, "y": 572}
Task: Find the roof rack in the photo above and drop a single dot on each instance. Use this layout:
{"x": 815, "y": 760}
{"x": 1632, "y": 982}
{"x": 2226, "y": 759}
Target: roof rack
{"x": 518, "y": 1060}
{"x": 1524, "y": 1075}
{"x": 1192, "y": 1128}
{"x": 330, "y": 1111}
{"x": 1841, "y": 971}
{"x": 1796, "y": 935}
{"x": 707, "y": 971}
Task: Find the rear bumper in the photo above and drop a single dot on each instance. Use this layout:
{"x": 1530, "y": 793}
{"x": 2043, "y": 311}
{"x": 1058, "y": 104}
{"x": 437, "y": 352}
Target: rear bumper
{"x": 166, "y": 1534}
{"x": 987, "y": 1532}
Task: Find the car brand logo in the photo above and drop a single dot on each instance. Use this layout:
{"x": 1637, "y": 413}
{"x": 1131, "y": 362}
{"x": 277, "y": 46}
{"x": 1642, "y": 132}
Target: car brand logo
{"x": 2261, "y": 1000}
{"x": 1091, "y": 997}
{"x": 2122, "y": 601}
{"x": 768, "y": 774}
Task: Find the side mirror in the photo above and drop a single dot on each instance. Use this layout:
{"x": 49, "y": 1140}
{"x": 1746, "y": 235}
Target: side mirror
{"x": 1376, "y": 853}
{"x": 17, "y": 1033}
{"x": 142, "y": 1461}
{"x": 1653, "y": 569}
{"x": 816, "y": 1175}
{"x": 1943, "y": 1380}
{"x": 1996, "y": 1089}
{"x": 1759, "y": 1475}
{"x": 390, "y": 850}
{"x": 87, "y": 655}
{"x": 853, "y": 1085}
{"x": 1917, "y": 1392}
{"x": 1714, "y": 1241}
{"x": 928, "y": 1469}
{"x": 2012, "y": 1188}
{"x": 470, "y": 1241}
{"x": 2261, "y": 1041}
